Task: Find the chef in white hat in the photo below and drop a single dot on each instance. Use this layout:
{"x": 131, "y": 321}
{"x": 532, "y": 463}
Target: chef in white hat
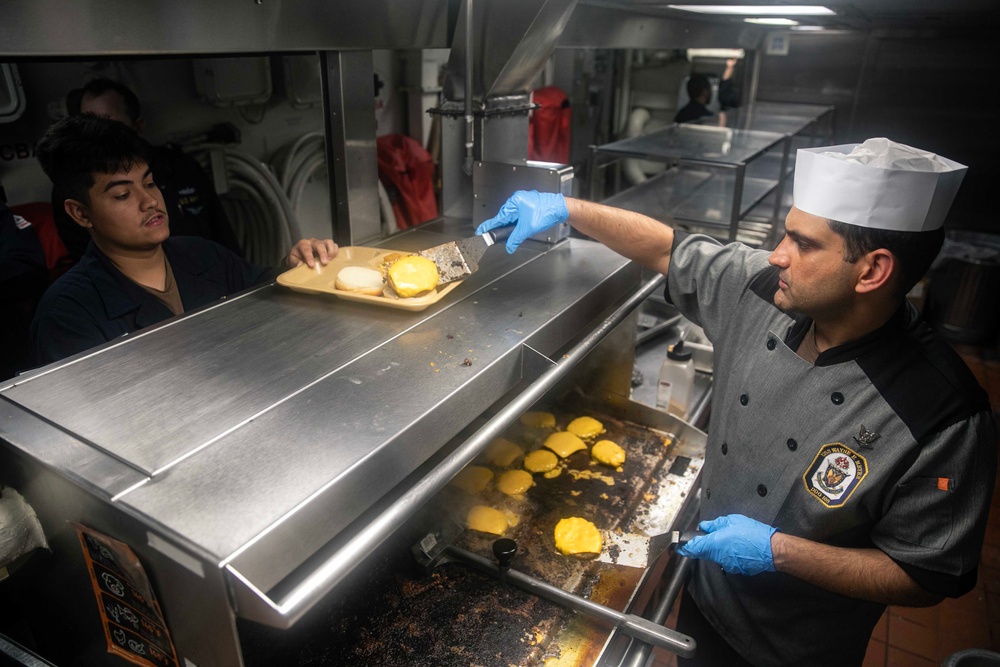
{"x": 851, "y": 455}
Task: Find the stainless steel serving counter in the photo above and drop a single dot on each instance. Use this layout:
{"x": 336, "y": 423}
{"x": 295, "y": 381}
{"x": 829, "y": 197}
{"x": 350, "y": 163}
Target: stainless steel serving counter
{"x": 245, "y": 436}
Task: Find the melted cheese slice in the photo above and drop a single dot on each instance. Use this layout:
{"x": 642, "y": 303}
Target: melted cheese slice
{"x": 487, "y": 520}
{"x": 515, "y": 482}
{"x": 503, "y": 452}
{"x": 538, "y": 419}
{"x": 413, "y": 275}
{"x": 585, "y": 427}
{"x": 608, "y": 453}
{"x": 473, "y": 479}
{"x": 540, "y": 460}
{"x": 564, "y": 443}
{"x": 591, "y": 475}
{"x": 577, "y": 536}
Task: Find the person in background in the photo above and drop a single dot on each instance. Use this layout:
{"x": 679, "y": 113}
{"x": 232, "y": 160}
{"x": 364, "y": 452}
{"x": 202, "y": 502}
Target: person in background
{"x": 729, "y": 92}
{"x": 189, "y": 195}
{"x": 699, "y": 90}
{"x": 134, "y": 273}
{"x": 23, "y": 279}
{"x": 851, "y": 455}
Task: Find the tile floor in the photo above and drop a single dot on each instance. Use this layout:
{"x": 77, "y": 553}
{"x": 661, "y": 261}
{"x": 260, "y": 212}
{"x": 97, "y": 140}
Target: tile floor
{"x": 925, "y": 637}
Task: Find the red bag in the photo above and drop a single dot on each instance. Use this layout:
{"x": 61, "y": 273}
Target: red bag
{"x": 407, "y": 172}
{"x": 39, "y": 214}
{"x": 548, "y": 127}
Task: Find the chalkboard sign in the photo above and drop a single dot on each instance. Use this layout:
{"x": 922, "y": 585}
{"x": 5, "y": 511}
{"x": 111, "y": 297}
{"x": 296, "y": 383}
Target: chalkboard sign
{"x": 130, "y": 614}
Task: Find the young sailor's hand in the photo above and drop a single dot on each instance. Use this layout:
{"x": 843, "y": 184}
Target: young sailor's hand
{"x": 532, "y": 212}
{"x": 308, "y": 251}
{"x": 739, "y": 544}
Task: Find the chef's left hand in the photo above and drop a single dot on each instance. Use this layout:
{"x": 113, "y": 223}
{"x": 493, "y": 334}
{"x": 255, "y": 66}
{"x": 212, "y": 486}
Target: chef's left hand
{"x": 309, "y": 250}
{"x": 739, "y": 544}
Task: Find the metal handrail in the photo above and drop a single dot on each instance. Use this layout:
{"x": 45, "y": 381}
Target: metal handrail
{"x": 253, "y": 604}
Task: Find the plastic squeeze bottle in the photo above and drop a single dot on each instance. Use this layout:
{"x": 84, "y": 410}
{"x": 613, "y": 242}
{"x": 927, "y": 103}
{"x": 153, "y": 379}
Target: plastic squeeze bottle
{"x": 673, "y": 393}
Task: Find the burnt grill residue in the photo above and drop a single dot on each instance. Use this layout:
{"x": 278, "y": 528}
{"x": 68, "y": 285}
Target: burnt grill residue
{"x": 395, "y": 615}
{"x": 391, "y": 612}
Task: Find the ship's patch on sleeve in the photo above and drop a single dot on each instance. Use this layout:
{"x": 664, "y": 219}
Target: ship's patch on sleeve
{"x": 834, "y": 474}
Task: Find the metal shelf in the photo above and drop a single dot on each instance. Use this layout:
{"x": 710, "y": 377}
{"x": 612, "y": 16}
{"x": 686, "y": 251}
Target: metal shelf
{"x": 703, "y": 199}
{"x": 720, "y": 146}
{"x": 716, "y": 176}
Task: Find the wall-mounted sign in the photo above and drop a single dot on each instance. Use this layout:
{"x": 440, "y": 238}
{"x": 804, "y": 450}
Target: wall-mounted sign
{"x": 776, "y": 44}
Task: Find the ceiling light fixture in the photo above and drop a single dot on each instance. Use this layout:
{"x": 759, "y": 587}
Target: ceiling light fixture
{"x": 758, "y": 10}
{"x": 772, "y": 21}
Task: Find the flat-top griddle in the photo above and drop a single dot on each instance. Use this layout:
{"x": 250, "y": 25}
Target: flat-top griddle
{"x": 395, "y": 613}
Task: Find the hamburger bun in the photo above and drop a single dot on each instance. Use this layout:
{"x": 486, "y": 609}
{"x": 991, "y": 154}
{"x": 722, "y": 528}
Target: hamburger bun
{"x": 360, "y": 280}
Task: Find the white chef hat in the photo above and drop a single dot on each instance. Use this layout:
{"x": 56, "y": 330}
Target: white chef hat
{"x": 878, "y": 184}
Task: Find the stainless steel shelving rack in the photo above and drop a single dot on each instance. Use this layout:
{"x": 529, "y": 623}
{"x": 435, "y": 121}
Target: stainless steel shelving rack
{"x": 715, "y": 177}
{"x": 819, "y": 130}
{"x": 727, "y": 174}
{"x": 806, "y": 126}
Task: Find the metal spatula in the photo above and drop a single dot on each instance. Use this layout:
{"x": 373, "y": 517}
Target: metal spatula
{"x": 457, "y": 260}
{"x": 635, "y": 550}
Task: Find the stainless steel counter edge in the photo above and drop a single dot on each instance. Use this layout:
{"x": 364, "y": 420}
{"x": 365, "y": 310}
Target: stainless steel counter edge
{"x": 41, "y": 371}
{"x": 98, "y": 473}
{"x": 253, "y": 604}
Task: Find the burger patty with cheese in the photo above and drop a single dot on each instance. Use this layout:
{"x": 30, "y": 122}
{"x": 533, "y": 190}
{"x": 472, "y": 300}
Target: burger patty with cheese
{"x": 411, "y": 276}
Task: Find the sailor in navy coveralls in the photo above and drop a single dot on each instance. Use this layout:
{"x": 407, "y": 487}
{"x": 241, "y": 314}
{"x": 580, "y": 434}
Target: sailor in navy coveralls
{"x": 851, "y": 456}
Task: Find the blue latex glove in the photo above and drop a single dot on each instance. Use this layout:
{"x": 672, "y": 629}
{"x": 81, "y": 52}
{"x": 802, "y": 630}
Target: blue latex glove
{"x": 739, "y": 544}
{"x": 533, "y": 212}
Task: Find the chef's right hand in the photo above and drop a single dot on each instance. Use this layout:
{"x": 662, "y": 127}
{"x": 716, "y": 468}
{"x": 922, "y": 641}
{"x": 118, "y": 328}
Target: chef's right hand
{"x": 531, "y": 211}
{"x": 739, "y": 544}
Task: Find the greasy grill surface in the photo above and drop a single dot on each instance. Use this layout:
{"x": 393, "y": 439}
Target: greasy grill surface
{"x": 582, "y": 489}
{"x": 393, "y": 613}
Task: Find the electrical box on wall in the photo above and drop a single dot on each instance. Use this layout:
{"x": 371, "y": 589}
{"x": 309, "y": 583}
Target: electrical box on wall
{"x": 303, "y": 88}
{"x": 11, "y": 94}
{"x": 227, "y": 82}
{"x": 492, "y": 183}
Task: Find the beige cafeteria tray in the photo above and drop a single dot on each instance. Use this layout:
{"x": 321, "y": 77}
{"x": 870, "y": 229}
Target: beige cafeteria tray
{"x": 321, "y": 280}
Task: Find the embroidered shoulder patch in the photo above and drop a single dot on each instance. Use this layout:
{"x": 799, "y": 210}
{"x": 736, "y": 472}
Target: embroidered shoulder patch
{"x": 835, "y": 473}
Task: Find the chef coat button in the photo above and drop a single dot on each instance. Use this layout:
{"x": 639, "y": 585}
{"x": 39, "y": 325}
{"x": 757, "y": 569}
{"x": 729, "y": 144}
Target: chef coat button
{"x": 771, "y": 344}
{"x": 792, "y": 445}
{"x": 744, "y": 399}
{"x": 837, "y": 398}
{"x": 725, "y": 449}
{"x": 761, "y": 490}
{"x": 708, "y": 494}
